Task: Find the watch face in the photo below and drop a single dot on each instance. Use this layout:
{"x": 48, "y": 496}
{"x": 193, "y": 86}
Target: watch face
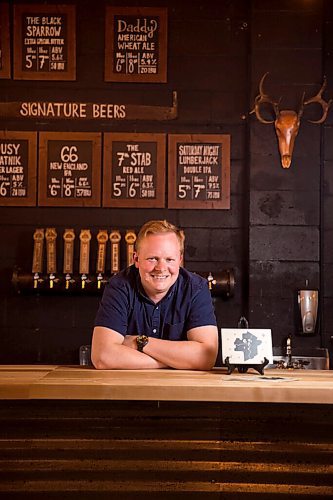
{"x": 142, "y": 340}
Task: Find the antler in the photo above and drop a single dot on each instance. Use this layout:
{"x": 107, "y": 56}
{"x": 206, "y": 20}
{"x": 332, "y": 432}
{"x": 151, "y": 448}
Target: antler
{"x": 264, "y": 98}
{"x": 325, "y": 105}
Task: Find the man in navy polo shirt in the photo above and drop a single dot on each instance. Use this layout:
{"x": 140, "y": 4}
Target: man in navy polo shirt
{"x": 155, "y": 313}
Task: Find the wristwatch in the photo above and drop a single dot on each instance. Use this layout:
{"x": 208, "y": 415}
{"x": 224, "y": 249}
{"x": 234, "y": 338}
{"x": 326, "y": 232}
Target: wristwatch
{"x": 141, "y": 341}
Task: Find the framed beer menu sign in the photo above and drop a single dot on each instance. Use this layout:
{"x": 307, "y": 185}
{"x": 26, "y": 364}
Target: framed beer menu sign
{"x": 136, "y": 44}
{"x": 18, "y": 161}
{"x": 69, "y": 169}
{"x": 44, "y": 42}
{"x": 4, "y": 41}
{"x": 134, "y": 170}
{"x": 199, "y": 171}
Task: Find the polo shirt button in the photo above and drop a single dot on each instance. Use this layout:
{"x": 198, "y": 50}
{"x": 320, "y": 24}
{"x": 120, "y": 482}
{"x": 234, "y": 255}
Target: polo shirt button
{"x": 154, "y": 331}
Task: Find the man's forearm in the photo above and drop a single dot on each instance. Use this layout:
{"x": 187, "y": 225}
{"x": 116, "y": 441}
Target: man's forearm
{"x": 186, "y": 355}
{"x": 123, "y": 357}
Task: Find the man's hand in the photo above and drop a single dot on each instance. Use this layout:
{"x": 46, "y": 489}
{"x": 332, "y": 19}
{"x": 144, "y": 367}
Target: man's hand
{"x": 130, "y": 341}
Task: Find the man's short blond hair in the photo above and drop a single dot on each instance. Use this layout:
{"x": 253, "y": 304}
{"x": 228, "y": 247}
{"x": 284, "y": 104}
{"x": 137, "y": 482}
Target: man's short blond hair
{"x": 158, "y": 227}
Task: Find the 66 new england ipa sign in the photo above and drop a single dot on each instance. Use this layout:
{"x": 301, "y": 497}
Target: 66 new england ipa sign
{"x": 199, "y": 171}
{"x": 69, "y": 169}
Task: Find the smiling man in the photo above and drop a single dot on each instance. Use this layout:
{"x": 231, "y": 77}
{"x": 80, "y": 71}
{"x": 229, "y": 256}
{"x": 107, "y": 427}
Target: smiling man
{"x": 155, "y": 313}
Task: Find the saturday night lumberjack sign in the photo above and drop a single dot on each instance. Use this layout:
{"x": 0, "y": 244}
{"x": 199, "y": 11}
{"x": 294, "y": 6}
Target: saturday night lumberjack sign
{"x": 87, "y": 111}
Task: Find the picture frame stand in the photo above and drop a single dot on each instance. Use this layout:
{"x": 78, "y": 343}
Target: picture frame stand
{"x": 244, "y": 368}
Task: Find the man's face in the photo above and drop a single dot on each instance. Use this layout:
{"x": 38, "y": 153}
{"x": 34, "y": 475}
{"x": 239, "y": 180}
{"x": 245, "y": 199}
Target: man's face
{"x": 158, "y": 259}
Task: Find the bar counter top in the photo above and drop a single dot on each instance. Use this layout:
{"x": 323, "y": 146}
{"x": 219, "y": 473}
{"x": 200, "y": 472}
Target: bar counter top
{"x": 33, "y": 382}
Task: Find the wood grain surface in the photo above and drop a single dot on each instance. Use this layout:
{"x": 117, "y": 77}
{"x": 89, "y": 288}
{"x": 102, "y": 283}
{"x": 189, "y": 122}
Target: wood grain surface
{"x": 74, "y": 382}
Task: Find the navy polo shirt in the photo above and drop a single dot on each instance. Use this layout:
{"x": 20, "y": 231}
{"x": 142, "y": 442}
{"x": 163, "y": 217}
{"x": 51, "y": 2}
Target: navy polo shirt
{"x": 126, "y": 309}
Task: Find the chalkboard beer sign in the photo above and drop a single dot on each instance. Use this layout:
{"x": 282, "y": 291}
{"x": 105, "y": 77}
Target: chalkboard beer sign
{"x": 4, "y": 41}
{"x": 18, "y": 163}
{"x": 69, "y": 169}
{"x": 136, "y": 44}
{"x": 44, "y": 42}
{"x": 199, "y": 171}
{"x": 134, "y": 166}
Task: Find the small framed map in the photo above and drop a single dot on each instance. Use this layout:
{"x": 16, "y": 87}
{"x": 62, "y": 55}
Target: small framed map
{"x": 246, "y": 346}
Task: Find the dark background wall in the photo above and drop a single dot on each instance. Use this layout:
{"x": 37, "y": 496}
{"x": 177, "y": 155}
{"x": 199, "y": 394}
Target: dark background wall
{"x": 278, "y": 232}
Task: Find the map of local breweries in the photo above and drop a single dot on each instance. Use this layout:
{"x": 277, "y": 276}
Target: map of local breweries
{"x": 246, "y": 345}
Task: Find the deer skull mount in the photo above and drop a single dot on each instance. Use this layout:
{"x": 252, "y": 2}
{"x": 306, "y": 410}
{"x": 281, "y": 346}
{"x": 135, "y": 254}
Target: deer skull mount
{"x": 287, "y": 121}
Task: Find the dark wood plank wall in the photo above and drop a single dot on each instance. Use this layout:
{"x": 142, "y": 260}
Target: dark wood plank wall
{"x": 285, "y": 205}
{"x": 128, "y": 450}
{"x": 327, "y": 193}
{"x": 274, "y": 236}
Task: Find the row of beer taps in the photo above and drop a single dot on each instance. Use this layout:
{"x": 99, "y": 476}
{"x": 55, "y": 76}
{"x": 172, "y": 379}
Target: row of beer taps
{"x": 48, "y": 237}
{"x": 221, "y": 283}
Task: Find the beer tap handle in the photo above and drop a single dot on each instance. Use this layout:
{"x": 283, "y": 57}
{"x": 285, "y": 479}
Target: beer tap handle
{"x": 85, "y": 237}
{"x": 51, "y": 256}
{"x": 37, "y": 261}
{"x": 130, "y": 238}
{"x": 69, "y": 237}
{"x": 115, "y": 238}
{"x": 102, "y": 238}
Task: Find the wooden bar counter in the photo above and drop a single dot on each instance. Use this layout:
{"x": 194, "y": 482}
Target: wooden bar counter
{"x": 70, "y": 432}
{"x": 73, "y": 382}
